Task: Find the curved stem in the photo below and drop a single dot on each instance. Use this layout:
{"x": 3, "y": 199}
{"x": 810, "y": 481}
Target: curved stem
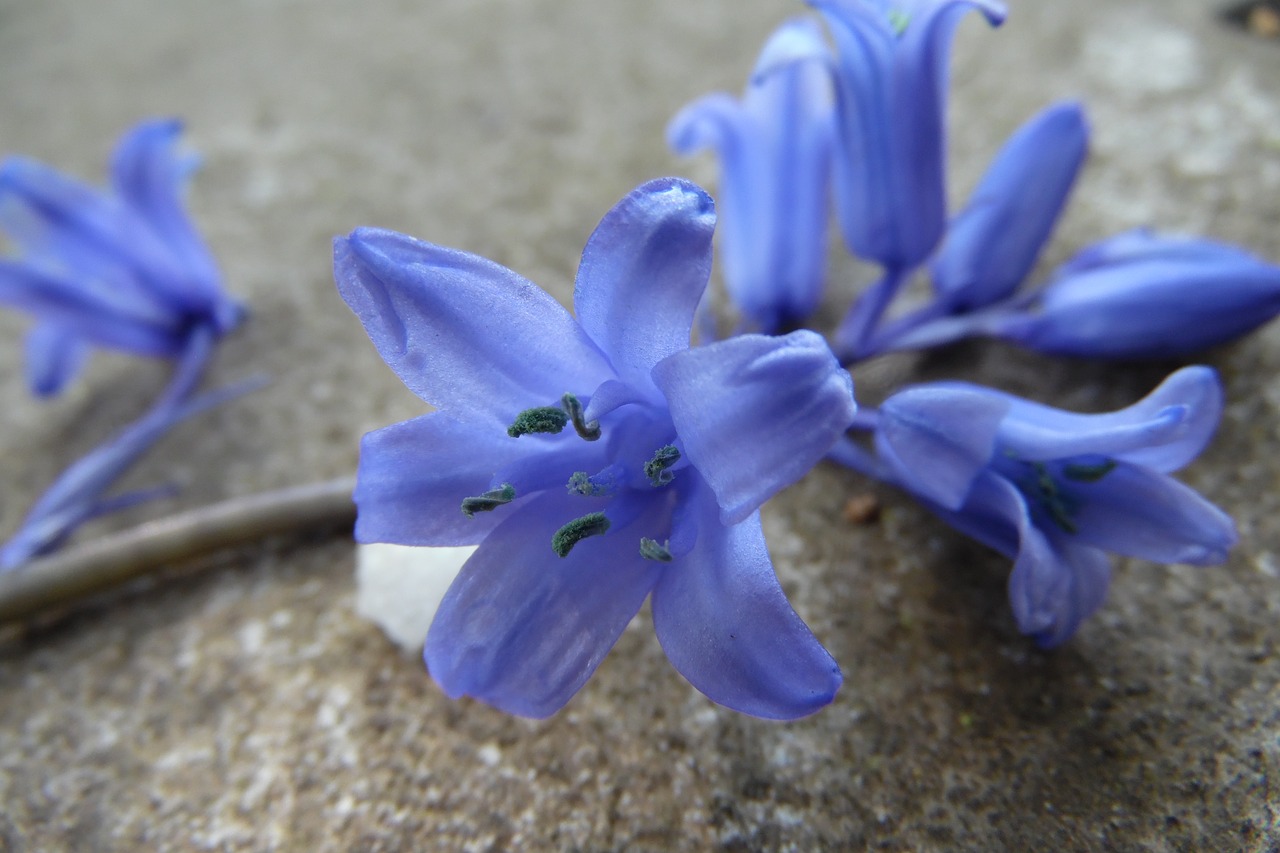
{"x": 863, "y": 317}
{"x": 95, "y": 566}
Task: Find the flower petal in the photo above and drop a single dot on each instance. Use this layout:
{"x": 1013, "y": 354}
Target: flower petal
{"x": 993, "y": 244}
{"x": 755, "y": 413}
{"x": 54, "y": 356}
{"x": 642, "y": 273}
{"x": 148, "y": 174}
{"x": 1163, "y": 431}
{"x": 463, "y": 333}
{"x": 939, "y": 438}
{"x": 1141, "y": 513}
{"x": 726, "y": 625}
{"x": 523, "y": 629}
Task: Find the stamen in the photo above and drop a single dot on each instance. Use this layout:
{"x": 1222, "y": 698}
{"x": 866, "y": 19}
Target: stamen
{"x": 1088, "y": 472}
{"x": 651, "y": 550}
{"x": 898, "y": 21}
{"x": 600, "y": 486}
{"x": 489, "y": 501}
{"x": 547, "y": 419}
{"x": 1054, "y": 502}
{"x": 656, "y": 468}
{"x": 589, "y": 431}
{"x": 593, "y": 524}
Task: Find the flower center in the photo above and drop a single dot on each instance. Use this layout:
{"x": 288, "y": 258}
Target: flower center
{"x": 1047, "y": 485}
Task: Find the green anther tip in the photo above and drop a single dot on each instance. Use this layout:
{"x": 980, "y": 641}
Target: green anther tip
{"x": 593, "y": 524}
{"x": 651, "y": 550}
{"x": 547, "y": 419}
{"x": 656, "y": 468}
{"x": 489, "y": 501}
{"x": 588, "y": 431}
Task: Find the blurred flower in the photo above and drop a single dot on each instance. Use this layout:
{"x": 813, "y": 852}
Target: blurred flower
{"x": 992, "y": 245}
{"x": 1055, "y": 491}
{"x": 120, "y": 268}
{"x": 774, "y": 147}
{"x": 594, "y": 461}
{"x": 1140, "y": 295}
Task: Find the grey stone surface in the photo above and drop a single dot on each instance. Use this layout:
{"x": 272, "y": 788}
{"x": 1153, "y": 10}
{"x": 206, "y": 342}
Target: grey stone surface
{"x": 246, "y": 707}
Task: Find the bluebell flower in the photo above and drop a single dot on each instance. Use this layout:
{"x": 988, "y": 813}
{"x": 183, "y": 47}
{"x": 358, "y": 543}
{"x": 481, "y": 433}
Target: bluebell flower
{"x": 1056, "y": 491}
{"x": 890, "y": 72}
{"x": 774, "y": 146}
{"x": 596, "y": 461}
{"x": 1140, "y": 295}
{"x": 992, "y": 245}
{"x": 121, "y": 268}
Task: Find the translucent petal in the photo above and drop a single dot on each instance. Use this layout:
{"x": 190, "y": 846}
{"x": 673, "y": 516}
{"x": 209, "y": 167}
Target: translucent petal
{"x": 523, "y": 629}
{"x": 463, "y": 333}
{"x": 726, "y": 625}
{"x": 755, "y": 413}
{"x": 642, "y": 273}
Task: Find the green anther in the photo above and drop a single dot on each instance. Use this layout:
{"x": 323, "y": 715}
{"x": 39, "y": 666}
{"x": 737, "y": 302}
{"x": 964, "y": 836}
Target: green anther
{"x": 651, "y": 550}
{"x": 1053, "y": 501}
{"x": 542, "y": 419}
{"x": 1088, "y": 473}
{"x": 898, "y": 21}
{"x": 593, "y": 524}
{"x": 588, "y": 431}
{"x": 489, "y": 501}
{"x": 656, "y": 468}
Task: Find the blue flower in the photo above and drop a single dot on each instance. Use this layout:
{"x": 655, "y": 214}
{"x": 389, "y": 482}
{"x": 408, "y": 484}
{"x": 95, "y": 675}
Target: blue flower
{"x": 774, "y": 147}
{"x": 121, "y": 268}
{"x": 891, "y": 80}
{"x": 595, "y": 461}
{"x": 1140, "y": 295}
{"x": 1055, "y": 490}
{"x": 992, "y": 245}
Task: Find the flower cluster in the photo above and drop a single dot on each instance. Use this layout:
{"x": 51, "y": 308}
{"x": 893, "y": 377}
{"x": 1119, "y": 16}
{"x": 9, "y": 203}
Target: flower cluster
{"x": 598, "y": 461}
{"x": 121, "y": 269}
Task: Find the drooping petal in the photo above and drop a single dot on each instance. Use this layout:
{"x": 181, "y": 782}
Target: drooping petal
{"x": 54, "y": 356}
{"x": 993, "y": 244}
{"x": 130, "y": 326}
{"x": 939, "y": 438}
{"x": 149, "y": 174}
{"x": 726, "y": 625}
{"x": 1157, "y": 308}
{"x": 642, "y": 273}
{"x": 521, "y": 628}
{"x": 1163, "y": 431}
{"x": 414, "y": 475}
{"x": 756, "y": 413}
{"x": 1142, "y": 244}
{"x": 463, "y": 333}
{"x": 1141, "y": 513}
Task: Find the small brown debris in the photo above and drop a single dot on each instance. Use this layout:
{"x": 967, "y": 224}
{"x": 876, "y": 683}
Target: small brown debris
{"x": 862, "y": 509}
{"x": 1264, "y": 21}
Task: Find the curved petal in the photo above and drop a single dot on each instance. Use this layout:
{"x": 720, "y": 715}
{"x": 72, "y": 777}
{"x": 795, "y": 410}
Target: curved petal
{"x": 993, "y": 244}
{"x": 642, "y": 273}
{"x": 463, "y": 333}
{"x": 1140, "y": 513}
{"x": 414, "y": 475}
{"x": 756, "y": 413}
{"x": 1163, "y": 431}
{"x": 54, "y": 356}
{"x": 523, "y": 629}
{"x": 939, "y": 439}
{"x": 726, "y": 625}
{"x": 1141, "y": 244}
{"x": 148, "y": 174}
{"x": 917, "y": 123}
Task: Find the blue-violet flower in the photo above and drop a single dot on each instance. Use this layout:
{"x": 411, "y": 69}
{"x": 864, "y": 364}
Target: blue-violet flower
{"x": 122, "y": 268}
{"x": 774, "y": 146}
{"x": 595, "y": 461}
{"x": 1055, "y": 490}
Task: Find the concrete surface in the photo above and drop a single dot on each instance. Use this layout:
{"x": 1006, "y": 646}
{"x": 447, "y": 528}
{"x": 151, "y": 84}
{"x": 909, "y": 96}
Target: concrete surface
{"x": 245, "y": 706}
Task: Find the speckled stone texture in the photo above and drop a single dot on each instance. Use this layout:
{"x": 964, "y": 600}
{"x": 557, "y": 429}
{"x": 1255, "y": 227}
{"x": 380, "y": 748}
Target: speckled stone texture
{"x": 242, "y": 704}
